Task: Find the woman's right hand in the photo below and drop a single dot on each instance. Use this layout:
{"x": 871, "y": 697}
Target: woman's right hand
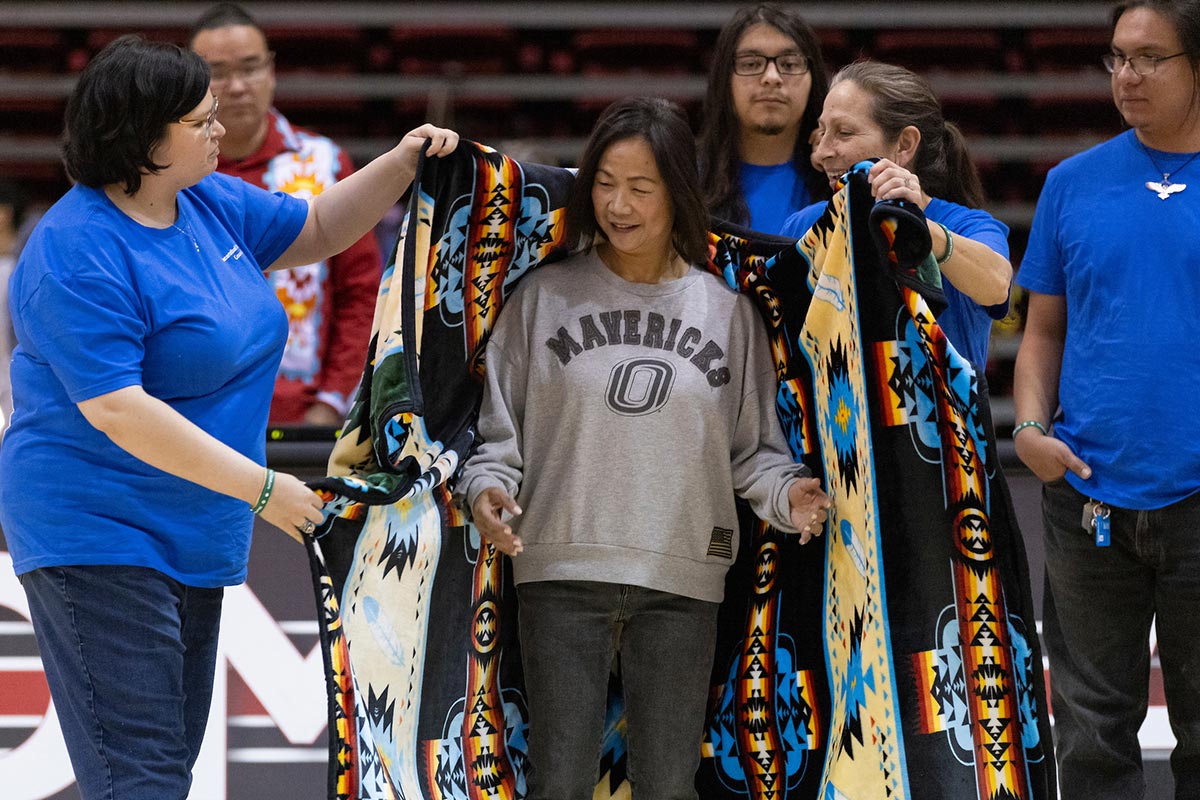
{"x": 1047, "y": 457}
{"x": 890, "y": 181}
{"x": 487, "y": 515}
{"x": 442, "y": 142}
{"x": 292, "y": 504}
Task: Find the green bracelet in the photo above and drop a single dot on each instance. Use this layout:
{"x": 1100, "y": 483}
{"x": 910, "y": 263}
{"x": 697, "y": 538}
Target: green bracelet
{"x": 1030, "y": 423}
{"x": 949, "y": 244}
{"x": 265, "y": 495}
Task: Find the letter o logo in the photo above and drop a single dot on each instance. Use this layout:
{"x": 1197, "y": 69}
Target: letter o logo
{"x": 639, "y": 386}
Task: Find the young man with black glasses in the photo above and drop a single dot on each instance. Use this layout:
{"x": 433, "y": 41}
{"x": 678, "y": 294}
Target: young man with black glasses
{"x": 765, "y": 91}
{"x": 1109, "y": 359}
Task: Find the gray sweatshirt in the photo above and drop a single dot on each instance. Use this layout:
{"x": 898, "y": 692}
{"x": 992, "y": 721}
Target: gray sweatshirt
{"x": 624, "y": 417}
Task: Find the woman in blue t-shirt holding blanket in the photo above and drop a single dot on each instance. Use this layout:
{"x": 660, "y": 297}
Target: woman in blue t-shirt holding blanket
{"x": 630, "y": 396}
{"x": 148, "y": 342}
{"x": 882, "y": 111}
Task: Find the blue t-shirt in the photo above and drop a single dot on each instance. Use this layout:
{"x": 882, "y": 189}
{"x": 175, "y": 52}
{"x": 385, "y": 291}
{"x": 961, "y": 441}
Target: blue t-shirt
{"x": 99, "y": 303}
{"x": 1128, "y": 265}
{"x": 772, "y": 194}
{"x": 966, "y": 324}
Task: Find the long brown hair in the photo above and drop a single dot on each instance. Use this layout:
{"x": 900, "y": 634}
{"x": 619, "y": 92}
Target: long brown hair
{"x": 720, "y": 159}
{"x": 901, "y": 98}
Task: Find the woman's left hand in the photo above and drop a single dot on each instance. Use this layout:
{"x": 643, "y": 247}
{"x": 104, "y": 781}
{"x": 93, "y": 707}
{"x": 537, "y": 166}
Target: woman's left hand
{"x": 293, "y": 507}
{"x": 807, "y": 504}
{"x": 890, "y": 181}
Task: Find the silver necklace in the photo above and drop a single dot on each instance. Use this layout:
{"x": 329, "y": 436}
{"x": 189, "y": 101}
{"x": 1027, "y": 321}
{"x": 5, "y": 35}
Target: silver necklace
{"x": 1166, "y": 188}
{"x": 188, "y": 233}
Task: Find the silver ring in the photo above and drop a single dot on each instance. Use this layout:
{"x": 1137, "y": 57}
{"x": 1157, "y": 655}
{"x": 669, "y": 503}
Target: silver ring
{"x": 308, "y": 526}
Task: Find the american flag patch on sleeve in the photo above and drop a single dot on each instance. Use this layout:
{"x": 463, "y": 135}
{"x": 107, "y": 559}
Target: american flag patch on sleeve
{"x": 720, "y": 544}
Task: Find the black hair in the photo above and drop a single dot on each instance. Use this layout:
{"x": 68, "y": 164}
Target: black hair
{"x": 223, "y": 15}
{"x": 1185, "y": 16}
{"x": 121, "y": 106}
{"x": 720, "y": 156}
{"x": 664, "y": 127}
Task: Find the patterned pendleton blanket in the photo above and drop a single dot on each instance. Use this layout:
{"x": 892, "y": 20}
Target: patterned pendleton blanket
{"x": 894, "y": 658}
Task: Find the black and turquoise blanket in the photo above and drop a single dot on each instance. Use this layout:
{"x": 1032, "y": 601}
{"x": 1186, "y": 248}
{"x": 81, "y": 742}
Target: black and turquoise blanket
{"x": 893, "y": 658}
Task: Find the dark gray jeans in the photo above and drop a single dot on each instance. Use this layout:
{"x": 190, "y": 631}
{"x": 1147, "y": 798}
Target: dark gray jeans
{"x": 1099, "y": 604}
{"x": 570, "y": 631}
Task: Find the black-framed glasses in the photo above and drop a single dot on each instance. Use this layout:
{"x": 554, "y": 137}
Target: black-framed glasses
{"x": 206, "y": 123}
{"x": 756, "y": 64}
{"x": 1141, "y": 65}
{"x": 250, "y": 71}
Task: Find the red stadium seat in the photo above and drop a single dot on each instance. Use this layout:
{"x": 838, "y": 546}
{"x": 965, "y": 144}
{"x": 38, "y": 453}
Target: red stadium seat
{"x": 941, "y": 49}
{"x": 338, "y": 48}
{"x": 639, "y": 50}
{"x": 470, "y": 50}
{"x": 1053, "y": 50}
{"x": 32, "y": 50}
{"x": 1072, "y": 115}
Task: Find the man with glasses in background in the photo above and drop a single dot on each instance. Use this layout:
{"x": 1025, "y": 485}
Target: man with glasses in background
{"x": 330, "y": 304}
{"x": 765, "y": 90}
{"x": 1109, "y": 358}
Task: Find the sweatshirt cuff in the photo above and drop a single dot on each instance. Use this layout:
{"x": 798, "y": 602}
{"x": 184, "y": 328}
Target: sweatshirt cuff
{"x": 783, "y": 509}
{"x": 467, "y": 493}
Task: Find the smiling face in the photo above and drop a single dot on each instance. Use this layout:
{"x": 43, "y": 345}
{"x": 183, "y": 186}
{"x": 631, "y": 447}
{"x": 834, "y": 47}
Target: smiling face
{"x": 629, "y": 199}
{"x": 1161, "y": 106}
{"x": 769, "y": 103}
{"x": 847, "y": 133}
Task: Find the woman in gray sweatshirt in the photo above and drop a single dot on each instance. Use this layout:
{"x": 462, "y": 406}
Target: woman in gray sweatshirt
{"x": 630, "y": 397}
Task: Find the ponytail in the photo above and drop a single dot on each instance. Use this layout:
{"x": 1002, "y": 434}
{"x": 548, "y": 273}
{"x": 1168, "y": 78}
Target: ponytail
{"x": 963, "y": 185}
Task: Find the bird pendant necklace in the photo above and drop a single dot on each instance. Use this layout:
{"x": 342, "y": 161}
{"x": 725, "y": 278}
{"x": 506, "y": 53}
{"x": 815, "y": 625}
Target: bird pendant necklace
{"x": 1166, "y": 188}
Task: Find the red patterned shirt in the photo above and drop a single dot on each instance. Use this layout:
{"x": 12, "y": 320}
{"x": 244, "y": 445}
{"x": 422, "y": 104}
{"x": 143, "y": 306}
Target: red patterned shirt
{"x": 330, "y": 304}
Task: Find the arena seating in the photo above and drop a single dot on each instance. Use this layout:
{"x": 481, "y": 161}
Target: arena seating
{"x": 1023, "y": 80}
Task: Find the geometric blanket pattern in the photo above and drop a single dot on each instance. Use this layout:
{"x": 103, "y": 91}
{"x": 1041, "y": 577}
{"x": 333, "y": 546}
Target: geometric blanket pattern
{"x": 893, "y": 658}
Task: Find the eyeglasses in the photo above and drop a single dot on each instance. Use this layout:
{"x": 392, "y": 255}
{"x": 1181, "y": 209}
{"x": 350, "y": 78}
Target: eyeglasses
{"x": 250, "y": 71}
{"x": 1141, "y": 65}
{"x": 207, "y": 122}
{"x": 756, "y": 64}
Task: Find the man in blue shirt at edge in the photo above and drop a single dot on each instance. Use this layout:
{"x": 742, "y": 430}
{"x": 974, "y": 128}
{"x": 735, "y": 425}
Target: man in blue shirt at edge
{"x": 1109, "y": 357}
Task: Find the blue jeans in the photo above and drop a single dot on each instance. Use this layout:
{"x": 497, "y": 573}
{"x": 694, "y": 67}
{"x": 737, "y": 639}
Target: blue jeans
{"x": 129, "y": 655}
{"x": 1099, "y": 604}
{"x": 570, "y": 632}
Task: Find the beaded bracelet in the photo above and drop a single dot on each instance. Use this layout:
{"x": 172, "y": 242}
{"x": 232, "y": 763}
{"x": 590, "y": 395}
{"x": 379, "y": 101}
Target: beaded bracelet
{"x": 1030, "y": 423}
{"x": 949, "y": 244}
{"x": 265, "y": 495}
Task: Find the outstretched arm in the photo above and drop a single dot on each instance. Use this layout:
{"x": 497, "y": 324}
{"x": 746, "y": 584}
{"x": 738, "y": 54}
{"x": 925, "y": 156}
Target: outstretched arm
{"x": 341, "y": 214}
